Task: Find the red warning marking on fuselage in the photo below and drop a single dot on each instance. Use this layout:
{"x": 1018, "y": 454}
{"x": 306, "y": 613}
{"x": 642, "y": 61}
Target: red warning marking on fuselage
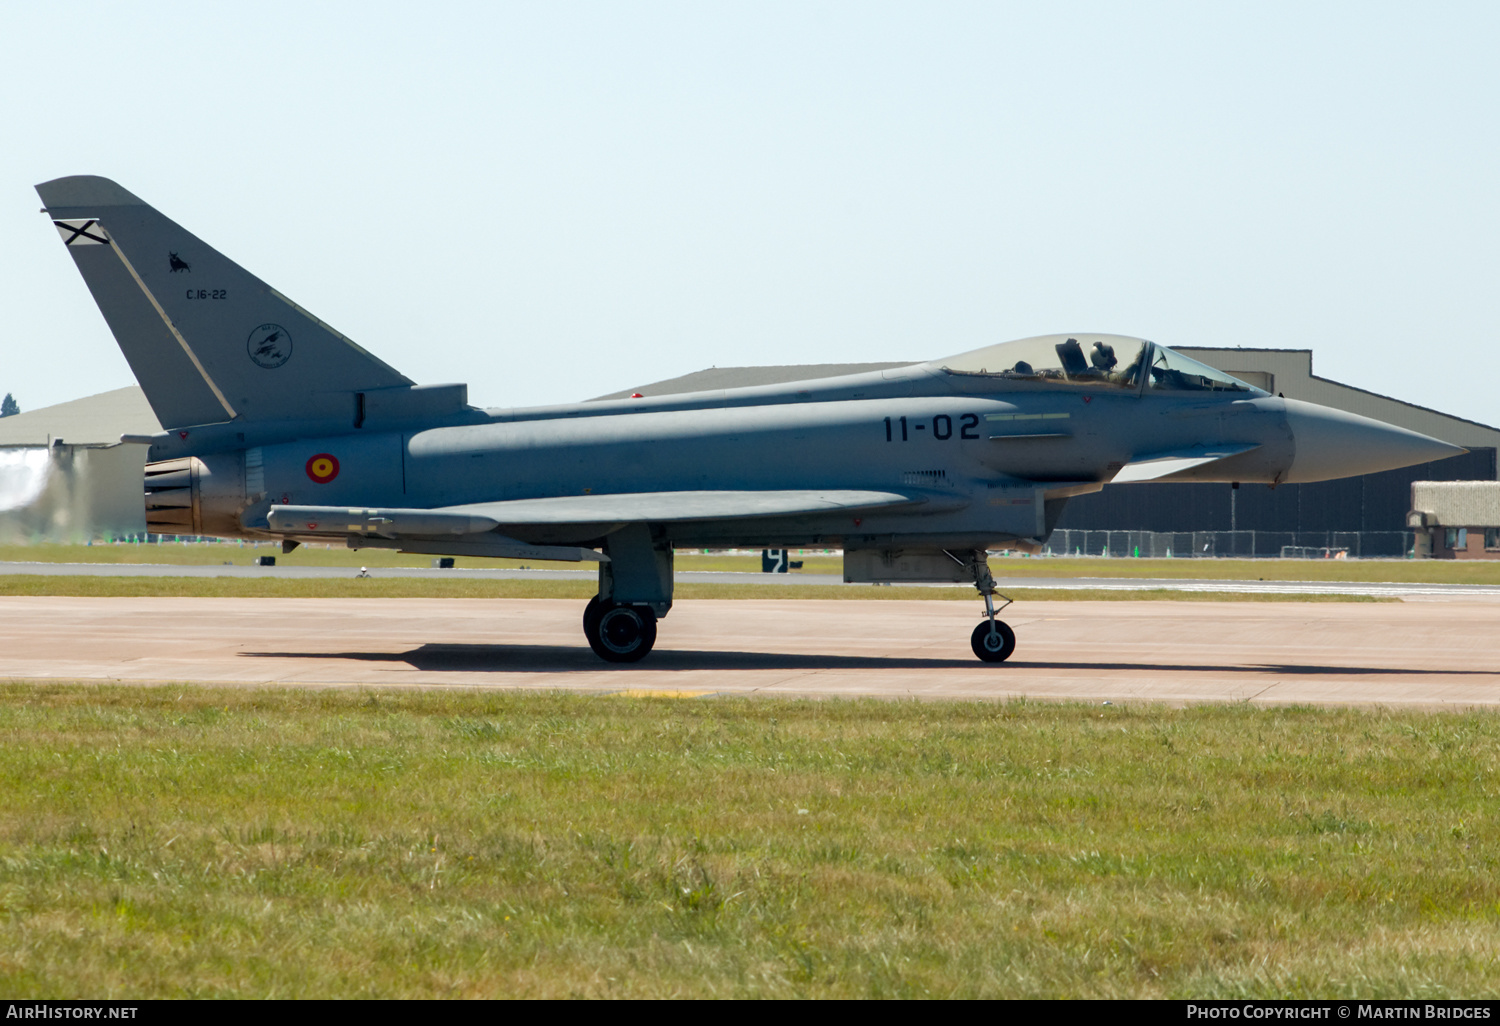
{"x": 323, "y": 467}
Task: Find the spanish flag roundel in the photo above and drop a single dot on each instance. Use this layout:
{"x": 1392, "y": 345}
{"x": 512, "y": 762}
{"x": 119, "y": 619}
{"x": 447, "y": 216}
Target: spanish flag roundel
{"x": 323, "y": 467}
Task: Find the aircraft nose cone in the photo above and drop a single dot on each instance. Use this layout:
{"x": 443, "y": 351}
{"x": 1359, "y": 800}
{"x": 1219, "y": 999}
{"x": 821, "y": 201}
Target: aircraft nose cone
{"x": 1331, "y": 443}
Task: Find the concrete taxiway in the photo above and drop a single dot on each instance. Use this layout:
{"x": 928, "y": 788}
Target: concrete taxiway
{"x": 1433, "y": 653}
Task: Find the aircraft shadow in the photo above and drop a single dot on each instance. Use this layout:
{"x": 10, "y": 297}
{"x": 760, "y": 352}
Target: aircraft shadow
{"x": 568, "y": 659}
{"x": 565, "y": 659}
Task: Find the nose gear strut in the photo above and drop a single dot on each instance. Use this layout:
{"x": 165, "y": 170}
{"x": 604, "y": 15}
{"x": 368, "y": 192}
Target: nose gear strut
{"x": 993, "y": 641}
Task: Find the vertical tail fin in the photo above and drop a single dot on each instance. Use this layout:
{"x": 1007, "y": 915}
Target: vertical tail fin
{"x": 208, "y": 341}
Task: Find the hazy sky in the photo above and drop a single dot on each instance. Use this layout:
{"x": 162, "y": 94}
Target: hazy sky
{"x": 553, "y": 201}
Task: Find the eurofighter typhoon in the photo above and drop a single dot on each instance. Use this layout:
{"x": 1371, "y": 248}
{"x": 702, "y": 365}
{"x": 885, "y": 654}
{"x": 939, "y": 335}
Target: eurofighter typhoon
{"x": 279, "y": 427}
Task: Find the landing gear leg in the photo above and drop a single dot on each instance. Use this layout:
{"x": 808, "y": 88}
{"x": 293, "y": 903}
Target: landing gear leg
{"x": 635, "y": 590}
{"x": 993, "y": 641}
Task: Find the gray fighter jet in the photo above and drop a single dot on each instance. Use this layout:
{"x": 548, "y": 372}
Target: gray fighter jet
{"x": 279, "y": 427}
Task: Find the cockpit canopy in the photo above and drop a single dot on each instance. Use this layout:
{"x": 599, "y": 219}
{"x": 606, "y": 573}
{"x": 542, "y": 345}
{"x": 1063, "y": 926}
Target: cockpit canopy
{"x": 1092, "y": 361}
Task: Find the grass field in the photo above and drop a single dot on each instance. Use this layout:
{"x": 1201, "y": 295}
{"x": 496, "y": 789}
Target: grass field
{"x": 1438, "y": 571}
{"x": 582, "y": 590}
{"x": 199, "y": 842}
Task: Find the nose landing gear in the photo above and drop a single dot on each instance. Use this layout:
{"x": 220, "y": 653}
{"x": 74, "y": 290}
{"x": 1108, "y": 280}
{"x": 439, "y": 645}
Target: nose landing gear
{"x": 992, "y": 641}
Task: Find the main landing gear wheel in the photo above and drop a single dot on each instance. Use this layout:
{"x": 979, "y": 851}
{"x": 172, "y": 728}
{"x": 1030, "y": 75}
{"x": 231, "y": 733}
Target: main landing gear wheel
{"x": 619, "y": 634}
{"x": 993, "y": 641}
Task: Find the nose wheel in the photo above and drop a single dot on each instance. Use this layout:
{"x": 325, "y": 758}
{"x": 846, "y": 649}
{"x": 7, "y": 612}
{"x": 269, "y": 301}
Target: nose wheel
{"x": 619, "y": 634}
{"x": 993, "y": 641}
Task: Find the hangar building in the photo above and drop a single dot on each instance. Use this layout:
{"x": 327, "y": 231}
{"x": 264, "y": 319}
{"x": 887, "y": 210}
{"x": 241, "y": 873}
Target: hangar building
{"x": 64, "y": 476}
{"x": 1363, "y": 516}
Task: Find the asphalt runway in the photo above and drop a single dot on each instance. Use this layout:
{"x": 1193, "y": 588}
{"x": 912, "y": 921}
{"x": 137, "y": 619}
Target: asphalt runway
{"x": 1378, "y": 589}
{"x": 1431, "y": 653}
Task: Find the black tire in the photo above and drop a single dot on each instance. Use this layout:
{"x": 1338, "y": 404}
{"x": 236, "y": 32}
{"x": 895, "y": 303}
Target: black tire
{"x": 591, "y": 614}
{"x": 996, "y": 646}
{"x": 619, "y": 634}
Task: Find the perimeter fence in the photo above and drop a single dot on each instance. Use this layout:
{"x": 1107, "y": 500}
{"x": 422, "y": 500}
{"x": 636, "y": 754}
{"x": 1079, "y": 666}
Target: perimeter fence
{"x": 1237, "y": 544}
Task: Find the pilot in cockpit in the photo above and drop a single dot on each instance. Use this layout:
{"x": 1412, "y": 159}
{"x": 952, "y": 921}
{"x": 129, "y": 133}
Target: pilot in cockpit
{"x": 1060, "y": 360}
{"x": 1105, "y": 363}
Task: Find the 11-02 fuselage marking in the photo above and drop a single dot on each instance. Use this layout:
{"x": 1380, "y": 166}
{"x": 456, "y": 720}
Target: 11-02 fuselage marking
{"x": 942, "y": 427}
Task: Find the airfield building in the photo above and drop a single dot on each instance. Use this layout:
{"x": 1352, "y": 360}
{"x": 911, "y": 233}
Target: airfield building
{"x": 1456, "y": 519}
{"x": 65, "y": 477}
